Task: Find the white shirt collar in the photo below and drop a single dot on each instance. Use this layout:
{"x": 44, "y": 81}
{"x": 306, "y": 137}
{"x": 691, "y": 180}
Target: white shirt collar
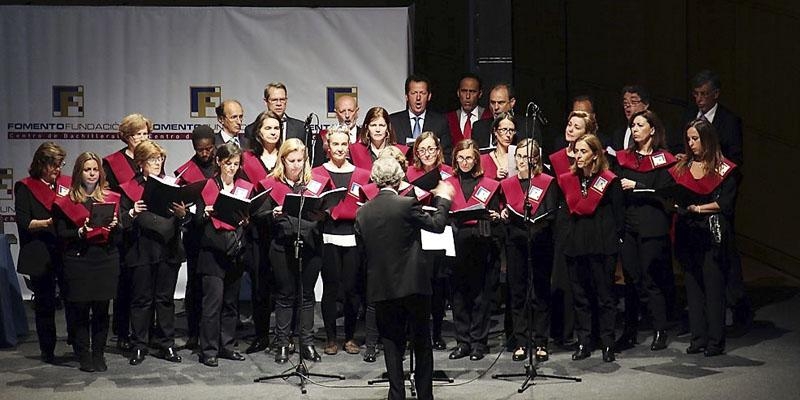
{"x": 391, "y": 189}
{"x": 710, "y": 114}
{"x": 411, "y": 116}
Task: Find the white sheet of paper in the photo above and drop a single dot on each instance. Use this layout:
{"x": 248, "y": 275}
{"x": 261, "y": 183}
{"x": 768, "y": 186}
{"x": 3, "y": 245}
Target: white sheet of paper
{"x": 439, "y": 241}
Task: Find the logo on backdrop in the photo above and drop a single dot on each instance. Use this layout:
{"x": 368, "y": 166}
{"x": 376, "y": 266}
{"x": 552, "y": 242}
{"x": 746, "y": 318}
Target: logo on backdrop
{"x": 6, "y": 184}
{"x": 68, "y": 101}
{"x": 333, "y": 93}
{"x": 203, "y": 100}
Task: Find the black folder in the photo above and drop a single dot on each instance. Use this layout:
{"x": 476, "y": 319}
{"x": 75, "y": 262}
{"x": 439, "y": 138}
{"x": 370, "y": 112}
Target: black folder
{"x": 477, "y": 211}
{"x": 160, "y": 193}
{"x": 323, "y": 201}
{"x": 101, "y": 214}
{"x": 231, "y": 209}
{"x": 429, "y": 180}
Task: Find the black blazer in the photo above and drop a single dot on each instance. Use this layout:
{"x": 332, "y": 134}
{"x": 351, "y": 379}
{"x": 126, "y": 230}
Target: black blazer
{"x": 434, "y": 122}
{"x": 387, "y": 232}
{"x": 729, "y": 130}
{"x": 244, "y": 142}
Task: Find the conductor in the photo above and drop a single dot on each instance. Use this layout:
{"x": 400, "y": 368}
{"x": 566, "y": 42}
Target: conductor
{"x": 398, "y": 273}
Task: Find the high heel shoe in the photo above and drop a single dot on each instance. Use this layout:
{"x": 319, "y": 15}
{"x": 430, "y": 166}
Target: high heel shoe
{"x": 582, "y": 352}
{"x": 520, "y": 354}
{"x": 659, "y": 341}
{"x": 542, "y": 354}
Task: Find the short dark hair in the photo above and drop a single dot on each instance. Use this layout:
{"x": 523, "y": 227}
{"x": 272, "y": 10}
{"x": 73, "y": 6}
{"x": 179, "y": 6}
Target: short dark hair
{"x": 470, "y": 75}
{"x": 220, "y": 109}
{"x": 704, "y": 76}
{"x": 201, "y": 132}
{"x": 644, "y": 95}
{"x": 418, "y": 78}
{"x": 584, "y": 97}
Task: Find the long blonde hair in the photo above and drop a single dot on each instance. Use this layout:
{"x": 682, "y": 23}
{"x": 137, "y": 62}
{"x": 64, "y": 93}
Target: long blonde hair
{"x": 289, "y": 146}
{"x": 77, "y": 192}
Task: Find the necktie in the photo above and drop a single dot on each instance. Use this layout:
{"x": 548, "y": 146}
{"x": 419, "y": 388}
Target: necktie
{"x": 417, "y": 128}
{"x": 468, "y": 127}
{"x": 235, "y": 141}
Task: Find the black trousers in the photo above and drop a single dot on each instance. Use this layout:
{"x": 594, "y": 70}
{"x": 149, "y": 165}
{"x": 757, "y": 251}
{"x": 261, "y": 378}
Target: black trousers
{"x": 474, "y": 280}
{"x": 392, "y": 317}
{"x": 645, "y": 263}
{"x": 341, "y": 268}
{"x": 518, "y": 278}
{"x": 286, "y": 274}
{"x": 705, "y": 294}
{"x": 260, "y": 271}
{"x": 193, "y": 301}
{"x": 121, "y": 321}
{"x": 562, "y": 308}
{"x": 153, "y": 289}
{"x": 592, "y": 278}
{"x": 44, "y": 306}
{"x": 440, "y": 289}
{"x": 220, "y": 312}
{"x": 90, "y": 325}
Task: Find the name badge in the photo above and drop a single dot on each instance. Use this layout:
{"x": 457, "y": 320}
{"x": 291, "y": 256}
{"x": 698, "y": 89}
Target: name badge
{"x": 482, "y": 194}
{"x": 444, "y": 175}
{"x": 723, "y": 169}
{"x": 314, "y": 186}
{"x": 240, "y": 192}
{"x": 600, "y": 184}
{"x": 535, "y": 193}
{"x": 355, "y": 190}
{"x": 659, "y": 159}
{"x": 62, "y": 191}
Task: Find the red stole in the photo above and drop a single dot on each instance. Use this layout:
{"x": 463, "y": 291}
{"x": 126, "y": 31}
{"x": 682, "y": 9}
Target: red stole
{"x": 347, "y": 208}
{"x": 241, "y": 189}
{"x": 488, "y": 165}
{"x": 42, "y": 192}
{"x": 536, "y": 193}
{"x": 189, "y": 172}
{"x": 280, "y": 189}
{"x": 706, "y": 184}
{"x": 658, "y": 159}
{"x": 579, "y": 205}
{"x": 560, "y": 162}
{"x": 78, "y": 213}
{"x": 253, "y": 168}
{"x": 413, "y": 173}
{"x": 483, "y": 192}
{"x": 133, "y": 189}
{"x": 119, "y": 164}
{"x": 360, "y": 154}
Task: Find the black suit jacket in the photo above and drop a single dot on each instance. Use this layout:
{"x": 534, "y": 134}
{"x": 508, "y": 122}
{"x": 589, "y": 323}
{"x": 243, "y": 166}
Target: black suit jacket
{"x": 244, "y": 142}
{"x": 387, "y": 231}
{"x": 729, "y": 130}
{"x": 434, "y": 122}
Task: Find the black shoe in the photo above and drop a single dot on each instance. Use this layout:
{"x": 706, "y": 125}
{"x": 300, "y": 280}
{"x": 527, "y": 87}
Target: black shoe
{"x": 191, "y": 343}
{"x": 260, "y": 344}
{"x": 137, "y": 356}
{"x": 460, "y": 351}
{"x": 282, "y": 354}
{"x": 371, "y": 354}
{"x": 713, "y": 352}
{"x": 608, "y": 354}
{"x": 170, "y": 355}
{"x": 628, "y": 340}
{"x": 659, "y": 341}
{"x": 692, "y": 349}
{"x": 291, "y": 347}
{"x": 308, "y": 352}
{"x": 209, "y": 361}
{"x": 542, "y": 354}
{"x": 48, "y": 357}
{"x": 477, "y": 353}
{"x": 230, "y": 355}
{"x": 86, "y": 362}
{"x": 124, "y": 344}
{"x": 99, "y": 361}
{"x": 582, "y": 352}
{"x": 439, "y": 344}
{"x": 520, "y": 354}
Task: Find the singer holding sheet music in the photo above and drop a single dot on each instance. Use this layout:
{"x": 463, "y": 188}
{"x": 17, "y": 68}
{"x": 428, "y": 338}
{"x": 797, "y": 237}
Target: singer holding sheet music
{"x": 341, "y": 261}
{"x": 292, "y": 174}
{"x": 646, "y": 262}
{"x": 703, "y": 233}
{"x": 475, "y": 272}
{"x": 91, "y": 259}
{"x": 541, "y": 192}
{"x": 153, "y": 254}
{"x": 593, "y": 236}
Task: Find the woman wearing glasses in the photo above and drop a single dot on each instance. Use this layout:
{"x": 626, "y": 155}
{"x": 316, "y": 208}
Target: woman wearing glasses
{"x": 540, "y": 194}
{"x": 153, "y": 255}
{"x": 426, "y": 172}
{"x": 39, "y": 255}
{"x": 495, "y": 163}
{"x": 474, "y": 272}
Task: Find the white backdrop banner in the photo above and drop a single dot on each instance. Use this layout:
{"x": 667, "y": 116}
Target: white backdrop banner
{"x": 69, "y": 74}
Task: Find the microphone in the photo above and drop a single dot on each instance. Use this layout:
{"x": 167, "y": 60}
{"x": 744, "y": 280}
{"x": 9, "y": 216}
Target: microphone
{"x": 308, "y": 119}
{"x": 533, "y": 110}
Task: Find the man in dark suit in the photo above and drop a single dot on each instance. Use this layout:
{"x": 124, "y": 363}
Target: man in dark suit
{"x": 276, "y": 100}
{"x": 229, "y": 123}
{"x": 635, "y": 98}
{"x": 501, "y": 99}
{"x": 461, "y": 120}
{"x": 398, "y": 274}
{"x": 706, "y": 88}
{"x": 416, "y": 118}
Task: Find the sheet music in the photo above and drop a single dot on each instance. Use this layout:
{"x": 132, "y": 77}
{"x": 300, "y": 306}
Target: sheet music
{"x": 439, "y": 241}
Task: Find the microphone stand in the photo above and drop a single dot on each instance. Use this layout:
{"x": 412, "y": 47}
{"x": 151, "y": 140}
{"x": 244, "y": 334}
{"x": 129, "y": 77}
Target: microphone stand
{"x": 530, "y": 367}
{"x": 301, "y": 370}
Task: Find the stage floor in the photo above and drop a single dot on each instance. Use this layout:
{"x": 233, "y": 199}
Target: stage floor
{"x": 760, "y": 364}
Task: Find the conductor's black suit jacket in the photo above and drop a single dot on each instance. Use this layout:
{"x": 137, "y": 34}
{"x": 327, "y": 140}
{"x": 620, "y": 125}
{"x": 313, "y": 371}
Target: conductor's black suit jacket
{"x": 388, "y": 233}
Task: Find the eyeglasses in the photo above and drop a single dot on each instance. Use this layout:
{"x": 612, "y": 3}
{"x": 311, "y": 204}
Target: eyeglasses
{"x": 524, "y": 157}
{"x": 627, "y": 104}
{"x": 57, "y": 164}
{"x": 155, "y": 160}
{"x": 467, "y": 159}
{"x": 506, "y": 131}
{"x": 427, "y": 150}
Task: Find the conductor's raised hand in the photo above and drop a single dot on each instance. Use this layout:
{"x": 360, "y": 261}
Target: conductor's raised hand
{"x": 444, "y": 190}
